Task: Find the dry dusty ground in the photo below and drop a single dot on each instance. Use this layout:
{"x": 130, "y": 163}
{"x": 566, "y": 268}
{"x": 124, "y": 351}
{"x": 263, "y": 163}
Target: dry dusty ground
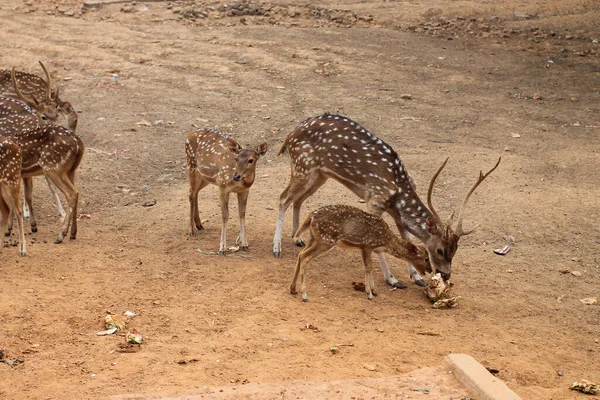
{"x": 511, "y": 68}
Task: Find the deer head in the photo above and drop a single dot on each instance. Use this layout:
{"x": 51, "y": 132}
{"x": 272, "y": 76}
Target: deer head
{"x": 46, "y": 109}
{"x": 245, "y": 160}
{"x": 443, "y": 240}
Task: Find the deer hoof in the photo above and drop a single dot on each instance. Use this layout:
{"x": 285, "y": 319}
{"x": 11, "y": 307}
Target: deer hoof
{"x": 421, "y": 282}
{"x": 72, "y": 237}
{"x": 304, "y": 299}
{"x": 244, "y": 248}
{"x": 58, "y": 240}
{"x": 22, "y": 254}
{"x": 399, "y": 285}
{"x": 33, "y": 229}
{"x": 293, "y": 292}
{"x": 300, "y": 243}
{"x": 222, "y": 253}
{"x": 277, "y": 254}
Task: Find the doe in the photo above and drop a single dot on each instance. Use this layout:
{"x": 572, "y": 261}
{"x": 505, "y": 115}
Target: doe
{"x": 214, "y": 158}
{"x": 349, "y": 227}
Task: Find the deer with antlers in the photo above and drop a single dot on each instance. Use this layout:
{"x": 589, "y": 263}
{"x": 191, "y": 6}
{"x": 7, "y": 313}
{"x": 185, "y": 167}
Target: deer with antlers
{"x": 333, "y": 146}
{"x": 214, "y": 158}
{"x": 38, "y": 94}
{"x": 11, "y": 158}
{"x": 349, "y": 227}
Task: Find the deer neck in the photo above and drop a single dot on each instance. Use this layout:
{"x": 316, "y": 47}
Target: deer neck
{"x": 413, "y": 214}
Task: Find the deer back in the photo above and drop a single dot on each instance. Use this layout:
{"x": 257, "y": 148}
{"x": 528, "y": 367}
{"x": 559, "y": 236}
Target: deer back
{"x": 16, "y": 116}
{"x": 350, "y": 226}
{"x": 49, "y": 147}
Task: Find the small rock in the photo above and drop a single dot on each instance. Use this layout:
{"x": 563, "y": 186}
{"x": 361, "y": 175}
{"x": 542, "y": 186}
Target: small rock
{"x": 69, "y": 13}
{"x": 559, "y": 373}
{"x": 589, "y": 300}
{"x": 156, "y": 302}
{"x": 369, "y": 367}
{"x": 159, "y": 122}
{"x": 406, "y": 96}
{"x": 575, "y": 273}
{"x": 537, "y": 96}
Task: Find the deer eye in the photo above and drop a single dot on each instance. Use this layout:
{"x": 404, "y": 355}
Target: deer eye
{"x": 250, "y": 161}
{"x": 440, "y": 252}
{"x": 44, "y": 117}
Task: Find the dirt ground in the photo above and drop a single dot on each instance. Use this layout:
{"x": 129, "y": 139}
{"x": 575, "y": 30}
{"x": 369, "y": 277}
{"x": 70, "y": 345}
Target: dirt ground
{"x": 514, "y": 79}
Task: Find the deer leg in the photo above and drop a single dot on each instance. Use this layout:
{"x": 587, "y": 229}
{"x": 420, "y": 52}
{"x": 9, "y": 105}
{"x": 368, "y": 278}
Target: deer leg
{"x": 294, "y": 189}
{"x": 71, "y": 193}
{"x": 28, "y": 190}
{"x": 224, "y": 199}
{"x": 5, "y": 214}
{"x": 10, "y": 200}
{"x": 242, "y": 201}
{"x": 412, "y": 271}
{"x": 385, "y": 269}
{"x": 59, "y": 207}
{"x": 314, "y": 249}
{"x": 369, "y": 283}
{"x": 196, "y": 184}
{"x": 309, "y": 191}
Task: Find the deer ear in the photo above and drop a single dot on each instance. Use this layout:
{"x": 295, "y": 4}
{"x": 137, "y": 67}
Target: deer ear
{"x": 431, "y": 226}
{"x": 233, "y": 146}
{"x": 261, "y": 149}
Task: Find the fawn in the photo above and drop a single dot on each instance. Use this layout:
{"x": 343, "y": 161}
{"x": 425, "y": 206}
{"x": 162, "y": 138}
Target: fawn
{"x": 214, "y": 158}
{"x": 349, "y": 227}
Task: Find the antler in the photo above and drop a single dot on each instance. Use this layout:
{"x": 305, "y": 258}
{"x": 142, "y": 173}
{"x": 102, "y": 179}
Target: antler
{"x": 459, "y": 231}
{"x": 48, "y": 83}
{"x": 429, "y": 192}
{"x": 21, "y": 95}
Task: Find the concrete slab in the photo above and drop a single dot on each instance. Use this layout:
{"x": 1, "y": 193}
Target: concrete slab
{"x": 100, "y": 3}
{"x": 430, "y": 382}
{"x": 478, "y": 380}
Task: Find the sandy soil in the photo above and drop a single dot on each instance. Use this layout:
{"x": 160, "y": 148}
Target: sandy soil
{"x": 479, "y": 73}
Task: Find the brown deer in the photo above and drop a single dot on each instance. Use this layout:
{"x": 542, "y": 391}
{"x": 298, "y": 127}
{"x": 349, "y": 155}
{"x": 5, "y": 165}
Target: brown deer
{"x": 349, "y": 227}
{"x": 38, "y": 94}
{"x": 55, "y": 152}
{"x": 16, "y": 117}
{"x": 11, "y": 158}
{"x": 214, "y": 158}
{"x": 333, "y": 146}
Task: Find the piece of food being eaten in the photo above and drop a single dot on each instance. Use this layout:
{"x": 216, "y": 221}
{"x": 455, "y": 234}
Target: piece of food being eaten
{"x": 438, "y": 291}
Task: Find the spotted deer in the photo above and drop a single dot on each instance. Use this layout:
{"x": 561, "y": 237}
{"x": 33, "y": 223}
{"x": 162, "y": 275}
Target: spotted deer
{"x": 214, "y": 158}
{"x": 349, "y": 227}
{"x": 55, "y": 152}
{"x": 11, "y": 157}
{"x": 16, "y": 117}
{"x": 333, "y": 146}
{"x": 38, "y": 94}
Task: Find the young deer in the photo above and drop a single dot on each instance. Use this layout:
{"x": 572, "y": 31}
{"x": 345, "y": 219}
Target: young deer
{"x": 10, "y": 188}
{"x": 332, "y": 146}
{"x": 16, "y": 117}
{"x": 55, "y": 152}
{"x": 216, "y": 159}
{"x": 38, "y": 94}
{"x": 349, "y": 227}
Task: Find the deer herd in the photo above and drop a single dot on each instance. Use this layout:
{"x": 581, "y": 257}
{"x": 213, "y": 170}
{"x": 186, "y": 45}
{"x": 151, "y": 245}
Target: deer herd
{"x": 37, "y": 137}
